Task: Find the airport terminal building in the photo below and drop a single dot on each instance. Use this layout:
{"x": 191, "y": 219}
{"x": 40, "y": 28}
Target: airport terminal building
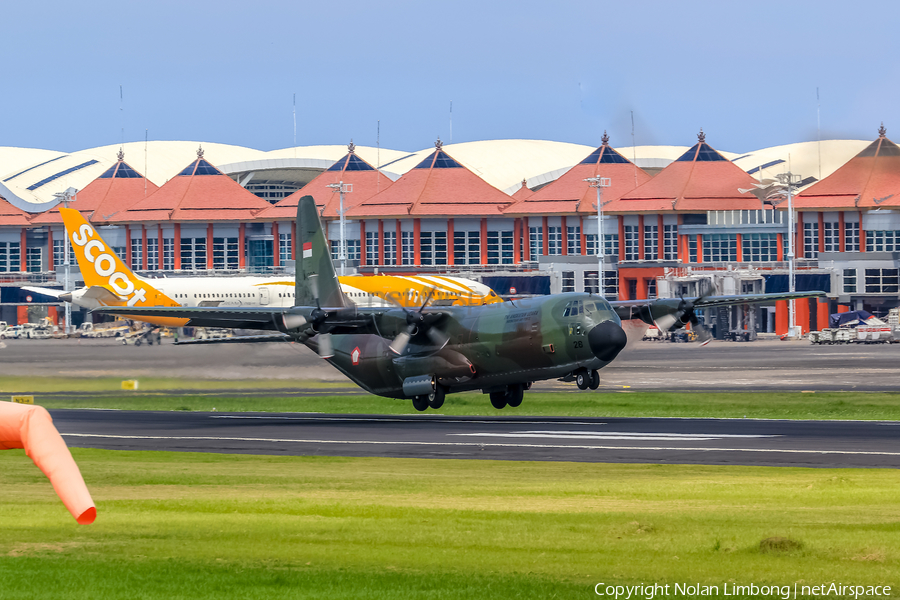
{"x": 519, "y": 215}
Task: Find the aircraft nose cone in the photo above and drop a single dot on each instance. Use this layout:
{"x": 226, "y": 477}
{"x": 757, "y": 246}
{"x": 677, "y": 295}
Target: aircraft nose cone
{"x": 607, "y": 339}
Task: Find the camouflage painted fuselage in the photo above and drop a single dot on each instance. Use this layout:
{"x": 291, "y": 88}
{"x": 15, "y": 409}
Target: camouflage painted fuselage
{"x": 490, "y": 347}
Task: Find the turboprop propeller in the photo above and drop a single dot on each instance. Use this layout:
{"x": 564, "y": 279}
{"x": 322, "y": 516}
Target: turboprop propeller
{"x": 685, "y": 314}
{"x": 419, "y": 321}
{"x": 318, "y": 319}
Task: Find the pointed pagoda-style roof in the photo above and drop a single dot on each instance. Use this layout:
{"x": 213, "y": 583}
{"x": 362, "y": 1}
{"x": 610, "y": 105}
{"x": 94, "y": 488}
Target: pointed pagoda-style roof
{"x": 572, "y": 194}
{"x": 351, "y": 169}
{"x": 871, "y": 179}
{"x": 12, "y": 216}
{"x": 438, "y": 186}
{"x": 523, "y": 192}
{"x": 200, "y": 192}
{"x": 103, "y": 199}
{"x": 701, "y": 179}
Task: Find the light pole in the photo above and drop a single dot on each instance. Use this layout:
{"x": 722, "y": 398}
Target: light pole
{"x": 787, "y": 181}
{"x": 600, "y": 183}
{"x": 342, "y": 188}
{"x": 66, "y": 197}
{"x": 773, "y": 193}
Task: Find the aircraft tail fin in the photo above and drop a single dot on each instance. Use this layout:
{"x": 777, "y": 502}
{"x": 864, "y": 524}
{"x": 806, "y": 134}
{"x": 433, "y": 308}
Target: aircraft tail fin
{"x": 100, "y": 267}
{"x": 315, "y": 271}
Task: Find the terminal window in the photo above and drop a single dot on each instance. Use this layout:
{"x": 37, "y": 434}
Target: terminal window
{"x": 573, "y": 240}
{"x": 720, "y": 247}
{"x": 670, "y": 242}
{"x": 651, "y": 242}
{"x": 554, "y": 240}
{"x": 433, "y": 247}
{"x": 631, "y": 242}
{"x": 882, "y": 281}
{"x": 535, "y": 242}
{"x": 851, "y": 237}
{"x": 849, "y": 281}
{"x": 10, "y": 256}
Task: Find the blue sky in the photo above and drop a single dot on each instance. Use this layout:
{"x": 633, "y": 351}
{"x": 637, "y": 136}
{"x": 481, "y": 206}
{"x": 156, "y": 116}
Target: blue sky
{"x": 565, "y": 71}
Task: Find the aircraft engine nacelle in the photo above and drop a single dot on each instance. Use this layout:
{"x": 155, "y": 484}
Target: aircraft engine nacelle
{"x": 446, "y": 364}
{"x": 418, "y": 386}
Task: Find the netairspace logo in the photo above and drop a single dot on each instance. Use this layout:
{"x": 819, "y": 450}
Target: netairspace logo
{"x": 785, "y": 592}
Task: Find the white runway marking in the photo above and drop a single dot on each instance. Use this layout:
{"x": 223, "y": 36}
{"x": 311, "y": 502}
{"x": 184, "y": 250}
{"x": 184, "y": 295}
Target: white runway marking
{"x": 475, "y": 444}
{"x": 430, "y": 418}
{"x": 613, "y": 435}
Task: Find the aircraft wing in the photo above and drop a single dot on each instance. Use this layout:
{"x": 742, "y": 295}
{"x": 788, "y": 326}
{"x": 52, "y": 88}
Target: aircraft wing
{"x": 267, "y": 318}
{"x": 711, "y": 301}
{"x": 666, "y": 312}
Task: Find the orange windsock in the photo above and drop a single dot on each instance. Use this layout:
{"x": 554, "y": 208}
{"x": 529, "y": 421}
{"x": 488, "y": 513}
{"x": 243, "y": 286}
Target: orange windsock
{"x": 31, "y": 428}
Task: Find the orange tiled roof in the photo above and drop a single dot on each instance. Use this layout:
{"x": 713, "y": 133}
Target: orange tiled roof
{"x": 105, "y": 198}
{"x": 351, "y": 169}
{"x": 438, "y": 186}
{"x": 523, "y": 192}
{"x": 870, "y": 179}
{"x": 700, "y": 180}
{"x": 570, "y": 193}
{"x": 10, "y": 215}
{"x": 199, "y": 193}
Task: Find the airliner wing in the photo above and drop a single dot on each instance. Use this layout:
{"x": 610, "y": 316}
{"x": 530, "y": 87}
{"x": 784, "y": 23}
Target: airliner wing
{"x": 265, "y": 318}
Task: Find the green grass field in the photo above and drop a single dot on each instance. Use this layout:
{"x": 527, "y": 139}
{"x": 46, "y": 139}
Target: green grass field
{"x": 788, "y": 405}
{"x": 179, "y": 525}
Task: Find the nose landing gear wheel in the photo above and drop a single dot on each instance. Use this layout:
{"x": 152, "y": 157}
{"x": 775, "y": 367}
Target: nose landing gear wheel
{"x": 582, "y": 380}
{"x": 420, "y": 403}
{"x": 595, "y": 380}
{"x": 498, "y": 400}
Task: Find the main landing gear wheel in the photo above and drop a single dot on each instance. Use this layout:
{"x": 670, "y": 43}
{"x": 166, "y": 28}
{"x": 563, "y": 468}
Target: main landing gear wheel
{"x": 515, "y": 395}
{"x": 583, "y": 380}
{"x": 436, "y": 398}
{"x": 420, "y": 403}
{"x": 595, "y": 380}
{"x": 498, "y": 400}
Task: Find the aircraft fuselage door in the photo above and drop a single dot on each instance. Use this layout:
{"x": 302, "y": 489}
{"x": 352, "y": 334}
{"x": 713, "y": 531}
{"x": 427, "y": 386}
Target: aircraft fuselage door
{"x": 263, "y": 296}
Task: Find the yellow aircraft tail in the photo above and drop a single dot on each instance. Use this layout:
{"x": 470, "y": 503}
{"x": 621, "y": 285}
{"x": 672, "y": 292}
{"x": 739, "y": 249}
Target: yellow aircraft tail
{"x": 101, "y": 268}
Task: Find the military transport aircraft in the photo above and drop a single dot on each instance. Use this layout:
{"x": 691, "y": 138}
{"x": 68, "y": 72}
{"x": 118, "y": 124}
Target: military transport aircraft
{"x": 428, "y": 352}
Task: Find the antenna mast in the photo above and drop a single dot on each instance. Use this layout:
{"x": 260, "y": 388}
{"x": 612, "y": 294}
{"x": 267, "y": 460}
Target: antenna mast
{"x": 378, "y": 156}
{"x": 451, "y": 121}
{"x": 122, "y": 112}
{"x": 633, "y": 150}
{"x": 819, "y": 130}
{"x": 295, "y": 124}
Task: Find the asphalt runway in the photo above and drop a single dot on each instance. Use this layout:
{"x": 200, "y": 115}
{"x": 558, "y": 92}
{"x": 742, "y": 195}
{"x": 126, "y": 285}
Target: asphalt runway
{"x": 645, "y": 366}
{"x": 662, "y": 366}
{"x": 673, "y": 441}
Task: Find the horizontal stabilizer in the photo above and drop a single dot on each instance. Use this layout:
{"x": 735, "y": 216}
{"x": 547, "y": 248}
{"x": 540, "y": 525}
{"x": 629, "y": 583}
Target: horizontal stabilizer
{"x": 52, "y": 292}
{"x": 103, "y": 296}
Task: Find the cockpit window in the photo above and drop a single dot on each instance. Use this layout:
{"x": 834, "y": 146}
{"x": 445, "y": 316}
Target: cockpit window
{"x": 573, "y": 309}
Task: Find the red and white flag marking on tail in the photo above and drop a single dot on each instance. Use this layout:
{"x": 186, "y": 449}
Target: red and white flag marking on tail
{"x": 307, "y": 250}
